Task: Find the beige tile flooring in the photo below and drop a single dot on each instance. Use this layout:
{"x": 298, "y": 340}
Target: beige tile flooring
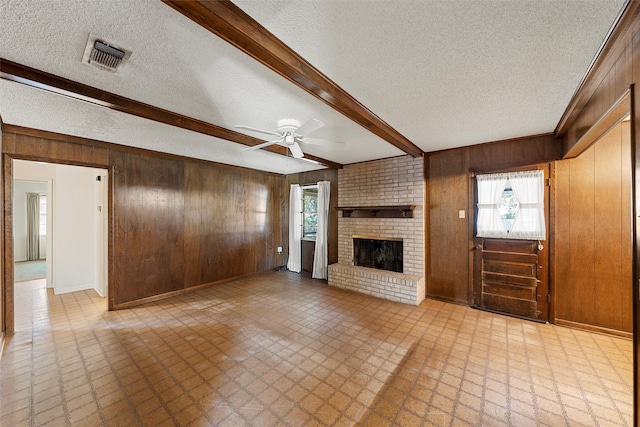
{"x": 280, "y": 349}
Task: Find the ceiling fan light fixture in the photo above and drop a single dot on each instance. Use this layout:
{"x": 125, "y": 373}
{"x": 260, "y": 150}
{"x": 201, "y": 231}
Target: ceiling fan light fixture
{"x": 286, "y": 126}
{"x": 291, "y": 132}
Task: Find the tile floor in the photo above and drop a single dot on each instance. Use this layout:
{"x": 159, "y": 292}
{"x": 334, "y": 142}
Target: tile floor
{"x": 280, "y": 349}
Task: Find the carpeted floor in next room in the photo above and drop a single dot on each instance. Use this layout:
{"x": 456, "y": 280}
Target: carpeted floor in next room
{"x": 29, "y": 270}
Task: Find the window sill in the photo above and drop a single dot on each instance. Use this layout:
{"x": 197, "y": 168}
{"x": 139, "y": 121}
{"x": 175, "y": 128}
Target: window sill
{"x": 309, "y": 239}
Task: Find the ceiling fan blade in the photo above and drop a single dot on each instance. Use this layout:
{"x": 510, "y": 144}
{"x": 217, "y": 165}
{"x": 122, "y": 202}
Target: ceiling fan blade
{"x": 296, "y": 150}
{"x": 264, "y": 144}
{"x": 267, "y": 132}
{"x": 319, "y": 141}
{"x": 309, "y": 127}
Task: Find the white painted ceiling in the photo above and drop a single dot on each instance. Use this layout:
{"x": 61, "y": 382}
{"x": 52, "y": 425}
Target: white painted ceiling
{"x": 443, "y": 73}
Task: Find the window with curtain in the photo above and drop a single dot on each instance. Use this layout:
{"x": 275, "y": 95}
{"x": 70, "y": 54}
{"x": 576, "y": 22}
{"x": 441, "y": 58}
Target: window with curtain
{"x": 295, "y": 229}
{"x": 321, "y": 254}
{"x": 43, "y": 214}
{"x": 309, "y": 211}
{"x": 33, "y": 225}
{"x": 511, "y": 205}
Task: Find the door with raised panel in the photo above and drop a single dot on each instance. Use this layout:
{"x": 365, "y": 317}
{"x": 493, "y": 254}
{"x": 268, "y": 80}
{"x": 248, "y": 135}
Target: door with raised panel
{"x": 512, "y": 278}
{"x": 510, "y": 275}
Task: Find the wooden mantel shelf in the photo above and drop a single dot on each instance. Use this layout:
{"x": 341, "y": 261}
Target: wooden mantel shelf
{"x": 405, "y": 211}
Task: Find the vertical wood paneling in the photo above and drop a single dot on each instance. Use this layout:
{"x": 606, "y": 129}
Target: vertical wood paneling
{"x": 8, "y": 242}
{"x": 194, "y": 213}
{"x": 593, "y": 235}
{"x": 626, "y": 228}
{"x": 8, "y": 142}
{"x": 162, "y": 225}
{"x": 129, "y": 279}
{"x": 232, "y": 223}
{"x": 175, "y": 223}
{"x": 277, "y": 204}
{"x": 561, "y": 239}
{"x": 608, "y": 239}
{"x": 450, "y": 238}
{"x": 613, "y": 72}
{"x": 581, "y": 255}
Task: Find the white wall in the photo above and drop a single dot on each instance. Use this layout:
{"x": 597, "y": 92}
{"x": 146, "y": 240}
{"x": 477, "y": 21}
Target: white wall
{"x": 77, "y": 242}
{"x": 73, "y": 244}
{"x": 100, "y": 228}
{"x": 20, "y": 190}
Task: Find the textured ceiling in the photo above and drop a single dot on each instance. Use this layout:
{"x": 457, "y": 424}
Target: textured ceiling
{"x": 448, "y": 73}
{"x": 443, "y": 73}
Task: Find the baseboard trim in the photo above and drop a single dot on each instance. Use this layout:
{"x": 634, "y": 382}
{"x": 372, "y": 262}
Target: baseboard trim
{"x": 592, "y": 328}
{"x": 160, "y": 297}
{"x": 74, "y": 289}
{"x": 445, "y": 299}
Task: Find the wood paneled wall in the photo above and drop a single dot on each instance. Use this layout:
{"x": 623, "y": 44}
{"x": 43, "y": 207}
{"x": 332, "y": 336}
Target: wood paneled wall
{"x": 149, "y": 216}
{"x": 450, "y": 190}
{"x": 615, "y": 71}
{"x": 593, "y": 245}
{"x": 175, "y": 223}
{"x": 235, "y": 223}
{"x": 447, "y": 235}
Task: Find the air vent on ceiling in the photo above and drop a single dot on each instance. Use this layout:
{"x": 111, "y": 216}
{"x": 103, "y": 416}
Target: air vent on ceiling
{"x": 104, "y": 54}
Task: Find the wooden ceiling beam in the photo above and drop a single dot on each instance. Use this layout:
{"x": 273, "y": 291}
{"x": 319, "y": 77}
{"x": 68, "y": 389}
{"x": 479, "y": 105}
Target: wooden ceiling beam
{"x": 39, "y": 79}
{"x": 229, "y": 22}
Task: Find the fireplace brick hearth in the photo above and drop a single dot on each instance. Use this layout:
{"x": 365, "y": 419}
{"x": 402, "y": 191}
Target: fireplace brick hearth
{"x": 387, "y": 182}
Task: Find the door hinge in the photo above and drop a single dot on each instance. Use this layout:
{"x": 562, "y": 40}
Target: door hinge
{"x": 547, "y": 182}
{"x": 548, "y": 297}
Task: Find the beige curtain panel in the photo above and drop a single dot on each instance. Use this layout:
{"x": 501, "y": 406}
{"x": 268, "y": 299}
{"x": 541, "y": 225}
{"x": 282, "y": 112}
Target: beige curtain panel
{"x": 33, "y": 226}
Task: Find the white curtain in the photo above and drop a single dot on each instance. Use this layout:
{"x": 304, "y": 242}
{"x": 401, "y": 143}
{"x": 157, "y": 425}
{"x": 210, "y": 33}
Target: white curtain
{"x": 528, "y": 188}
{"x": 490, "y": 188}
{"x": 33, "y": 226}
{"x": 321, "y": 256}
{"x": 295, "y": 228}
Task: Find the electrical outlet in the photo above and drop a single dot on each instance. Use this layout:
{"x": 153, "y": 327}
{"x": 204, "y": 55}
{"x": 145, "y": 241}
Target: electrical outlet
{"x": 279, "y": 249}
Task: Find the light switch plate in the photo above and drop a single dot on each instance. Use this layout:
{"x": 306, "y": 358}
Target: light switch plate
{"x": 461, "y": 213}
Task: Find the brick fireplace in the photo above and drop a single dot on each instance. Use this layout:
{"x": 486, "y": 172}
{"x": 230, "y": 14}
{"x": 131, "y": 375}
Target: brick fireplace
{"x": 398, "y": 181}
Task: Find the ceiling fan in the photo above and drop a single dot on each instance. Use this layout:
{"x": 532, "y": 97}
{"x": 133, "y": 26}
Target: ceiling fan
{"x": 290, "y": 134}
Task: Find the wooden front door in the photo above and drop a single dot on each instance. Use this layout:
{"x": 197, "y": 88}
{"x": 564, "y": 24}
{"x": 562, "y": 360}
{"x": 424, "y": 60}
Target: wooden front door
{"x": 511, "y": 277}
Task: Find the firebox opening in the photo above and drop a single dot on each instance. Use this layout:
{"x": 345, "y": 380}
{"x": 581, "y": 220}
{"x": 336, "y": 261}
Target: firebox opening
{"x": 380, "y": 253}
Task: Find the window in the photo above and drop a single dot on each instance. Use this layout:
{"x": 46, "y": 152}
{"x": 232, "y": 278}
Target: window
{"x": 43, "y": 214}
{"x": 511, "y": 205}
{"x": 309, "y": 211}
{"x": 508, "y": 207}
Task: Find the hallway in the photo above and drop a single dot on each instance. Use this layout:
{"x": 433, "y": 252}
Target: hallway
{"x": 280, "y": 349}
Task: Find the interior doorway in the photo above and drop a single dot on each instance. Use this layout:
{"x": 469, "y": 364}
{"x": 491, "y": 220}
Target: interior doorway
{"x": 75, "y": 226}
{"x": 31, "y": 229}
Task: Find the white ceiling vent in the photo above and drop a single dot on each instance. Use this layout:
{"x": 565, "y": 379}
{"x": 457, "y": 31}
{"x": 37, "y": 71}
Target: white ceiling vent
{"x": 103, "y": 54}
